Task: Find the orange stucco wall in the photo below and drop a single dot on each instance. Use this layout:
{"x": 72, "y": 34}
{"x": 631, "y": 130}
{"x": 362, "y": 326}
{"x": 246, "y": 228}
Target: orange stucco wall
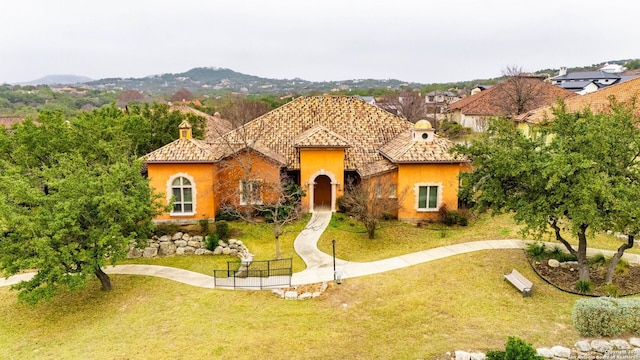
{"x": 204, "y": 178}
{"x": 444, "y": 175}
{"x": 249, "y": 166}
{"x": 315, "y": 161}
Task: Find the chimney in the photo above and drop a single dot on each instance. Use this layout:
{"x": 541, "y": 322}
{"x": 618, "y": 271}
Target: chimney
{"x": 563, "y": 71}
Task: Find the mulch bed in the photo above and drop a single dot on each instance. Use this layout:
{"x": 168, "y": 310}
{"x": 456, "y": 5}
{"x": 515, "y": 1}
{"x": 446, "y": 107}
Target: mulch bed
{"x": 565, "y": 278}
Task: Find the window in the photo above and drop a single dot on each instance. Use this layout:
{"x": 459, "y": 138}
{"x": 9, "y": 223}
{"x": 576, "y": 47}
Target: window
{"x": 250, "y": 192}
{"x": 377, "y": 190}
{"x": 428, "y": 196}
{"x": 392, "y": 190}
{"x": 182, "y": 195}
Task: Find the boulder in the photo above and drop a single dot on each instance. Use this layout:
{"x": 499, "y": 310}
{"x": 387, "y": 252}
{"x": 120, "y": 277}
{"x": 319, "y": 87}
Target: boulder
{"x": 197, "y": 238}
{"x": 462, "y": 355}
{"x": 195, "y": 244}
{"x": 186, "y": 237}
{"x": 154, "y": 244}
{"x": 554, "y": 263}
{"x": 233, "y": 241}
{"x": 164, "y": 238}
{"x": 601, "y": 346}
{"x": 291, "y": 295}
{"x": 222, "y": 243}
{"x": 583, "y": 346}
{"x": 201, "y": 251}
{"x": 545, "y": 353}
{"x": 561, "y": 352}
{"x": 620, "y": 344}
{"x": 634, "y": 341}
{"x": 478, "y": 356}
{"x": 177, "y": 236}
{"x": 189, "y": 250}
{"x": 167, "y": 248}
{"x": 134, "y": 253}
{"x": 278, "y": 292}
{"x": 180, "y": 251}
{"x": 150, "y": 252}
{"x": 305, "y": 296}
{"x": 180, "y": 243}
{"x": 218, "y": 250}
{"x": 226, "y": 251}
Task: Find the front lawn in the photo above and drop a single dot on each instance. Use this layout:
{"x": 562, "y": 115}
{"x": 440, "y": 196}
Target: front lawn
{"x": 421, "y": 312}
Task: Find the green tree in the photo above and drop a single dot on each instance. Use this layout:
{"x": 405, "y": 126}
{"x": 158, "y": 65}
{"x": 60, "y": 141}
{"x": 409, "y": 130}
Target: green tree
{"x": 577, "y": 176}
{"x": 73, "y": 200}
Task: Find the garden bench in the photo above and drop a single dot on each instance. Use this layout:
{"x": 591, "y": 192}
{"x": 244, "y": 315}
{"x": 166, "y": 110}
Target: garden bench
{"x": 520, "y": 282}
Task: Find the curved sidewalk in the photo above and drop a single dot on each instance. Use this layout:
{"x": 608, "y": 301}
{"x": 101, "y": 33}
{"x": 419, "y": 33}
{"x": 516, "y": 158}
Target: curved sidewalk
{"x": 319, "y": 264}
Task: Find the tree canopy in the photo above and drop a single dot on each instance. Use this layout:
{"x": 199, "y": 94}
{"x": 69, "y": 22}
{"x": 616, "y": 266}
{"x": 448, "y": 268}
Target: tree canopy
{"x": 577, "y": 175}
{"x": 73, "y": 200}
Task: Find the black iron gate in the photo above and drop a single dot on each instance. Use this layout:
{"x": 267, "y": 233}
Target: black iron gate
{"x": 261, "y": 274}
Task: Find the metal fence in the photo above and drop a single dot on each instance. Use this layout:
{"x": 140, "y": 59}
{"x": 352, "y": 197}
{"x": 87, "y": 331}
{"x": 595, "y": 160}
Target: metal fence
{"x": 262, "y": 274}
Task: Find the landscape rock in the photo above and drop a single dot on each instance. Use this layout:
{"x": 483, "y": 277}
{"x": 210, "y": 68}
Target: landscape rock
{"x": 164, "y": 238}
{"x": 150, "y": 252}
{"x": 291, "y": 295}
{"x": 195, "y": 244}
{"x": 226, "y": 251}
{"x": 601, "y": 346}
{"x": 134, "y": 253}
{"x": 218, "y": 250}
{"x": 478, "y": 356}
{"x": 583, "y": 346}
{"x": 180, "y": 251}
{"x": 620, "y": 344}
{"x": 177, "y": 236}
{"x": 561, "y": 352}
{"x": 462, "y": 355}
{"x": 634, "y": 341}
{"x": 167, "y": 248}
{"x": 189, "y": 250}
{"x": 305, "y": 296}
{"x": 180, "y": 243}
{"x": 197, "y": 238}
{"x": 554, "y": 263}
{"x": 545, "y": 353}
{"x": 186, "y": 237}
{"x": 278, "y": 292}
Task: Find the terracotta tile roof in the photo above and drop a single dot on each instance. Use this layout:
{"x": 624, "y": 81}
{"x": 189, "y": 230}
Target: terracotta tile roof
{"x": 182, "y": 150}
{"x": 597, "y": 101}
{"x": 492, "y": 102}
{"x": 319, "y": 136}
{"x": 377, "y": 167}
{"x": 215, "y": 124}
{"x": 403, "y": 149}
{"x": 361, "y": 125}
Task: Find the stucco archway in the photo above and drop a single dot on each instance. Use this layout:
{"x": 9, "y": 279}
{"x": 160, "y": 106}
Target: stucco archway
{"x": 325, "y": 183}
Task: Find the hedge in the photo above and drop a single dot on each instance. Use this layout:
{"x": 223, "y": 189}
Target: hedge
{"x": 606, "y": 316}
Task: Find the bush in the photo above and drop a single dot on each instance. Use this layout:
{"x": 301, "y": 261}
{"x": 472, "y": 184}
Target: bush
{"x": 166, "y": 229}
{"x": 451, "y": 218}
{"x": 622, "y": 267}
{"x": 605, "y": 316}
{"x": 611, "y": 290}
{"x": 495, "y": 355}
{"x": 536, "y": 250}
{"x": 222, "y": 230}
{"x": 227, "y": 214}
{"x": 584, "y": 286}
{"x": 204, "y": 227}
{"x": 518, "y": 349}
{"x": 558, "y": 254}
{"x": 597, "y": 260}
{"x": 212, "y": 242}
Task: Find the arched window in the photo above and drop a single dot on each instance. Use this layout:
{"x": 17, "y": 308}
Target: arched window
{"x": 182, "y": 195}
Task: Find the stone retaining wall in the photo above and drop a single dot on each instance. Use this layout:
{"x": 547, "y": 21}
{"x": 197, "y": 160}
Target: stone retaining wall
{"x": 185, "y": 244}
{"x": 616, "y": 349}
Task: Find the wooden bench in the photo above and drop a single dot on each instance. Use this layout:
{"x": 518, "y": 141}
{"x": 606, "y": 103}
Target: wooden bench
{"x": 520, "y": 282}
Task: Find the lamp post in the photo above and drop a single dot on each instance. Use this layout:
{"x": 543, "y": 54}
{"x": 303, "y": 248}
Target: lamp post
{"x": 334, "y": 258}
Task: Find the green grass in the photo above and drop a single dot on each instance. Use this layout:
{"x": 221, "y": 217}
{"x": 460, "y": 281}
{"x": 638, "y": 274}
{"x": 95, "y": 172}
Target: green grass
{"x": 421, "y": 312}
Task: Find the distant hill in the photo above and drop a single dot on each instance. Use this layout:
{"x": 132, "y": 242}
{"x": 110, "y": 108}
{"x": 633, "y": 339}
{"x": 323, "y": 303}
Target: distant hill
{"x": 213, "y": 80}
{"x": 58, "y": 80}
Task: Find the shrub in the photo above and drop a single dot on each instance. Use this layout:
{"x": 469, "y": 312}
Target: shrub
{"x": 212, "y": 242}
{"x": 558, "y": 254}
{"x": 584, "y": 286}
{"x": 597, "y": 260}
{"x": 204, "y": 227}
{"x": 495, "y": 355}
{"x": 536, "y": 250}
{"x": 622, "y": 267}
{"x": 518, "y": 349}
{"x": 222, "y": 230}
{"x": 611, "y": 290}
{"x": 166, "y": 229}
{"x": 227, "y": 214}
{"x": 605, "y": 316}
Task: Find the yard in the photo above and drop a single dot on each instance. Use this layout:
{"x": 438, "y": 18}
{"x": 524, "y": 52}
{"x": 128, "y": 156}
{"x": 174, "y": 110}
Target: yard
{"x": 420, "y": 312}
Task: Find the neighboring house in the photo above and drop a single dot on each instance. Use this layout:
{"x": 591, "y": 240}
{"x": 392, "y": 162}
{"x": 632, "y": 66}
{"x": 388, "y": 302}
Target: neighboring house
{"x": 613, "y": 68}
{"x": 597, "y": 102}
{"x": 569, "y": 80}
{"x": 437, "y": 102}
{"x": 321, "y": 143}
{"x": 475, "y": 111}
{"x": 480, "y": 88}
{"x": 369, "y": 99}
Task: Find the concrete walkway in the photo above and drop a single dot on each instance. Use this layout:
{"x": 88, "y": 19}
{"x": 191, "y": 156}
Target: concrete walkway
{"x": 320, "y": 265}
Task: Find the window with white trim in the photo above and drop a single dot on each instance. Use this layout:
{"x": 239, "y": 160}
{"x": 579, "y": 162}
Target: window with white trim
{"x": 182, "y": 196}
{"x": 392, "y": 190}
{"x": 428, "y": 196}
{"x": 250, "y": 192}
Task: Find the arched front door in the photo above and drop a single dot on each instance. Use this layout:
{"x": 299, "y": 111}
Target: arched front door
{"x": 322, "y": 193}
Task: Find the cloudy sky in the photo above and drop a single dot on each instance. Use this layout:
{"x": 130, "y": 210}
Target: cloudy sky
{"x": 420, "y": 40}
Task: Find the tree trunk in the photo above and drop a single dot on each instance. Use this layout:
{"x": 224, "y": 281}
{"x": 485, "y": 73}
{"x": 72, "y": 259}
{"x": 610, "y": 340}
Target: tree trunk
{"x": 370, "y": 225}
{"x": 104, "y": 279}
{"x": 616, "y": 258}
{"x": 583, "y": 264}
{"x": 278, "y": 247}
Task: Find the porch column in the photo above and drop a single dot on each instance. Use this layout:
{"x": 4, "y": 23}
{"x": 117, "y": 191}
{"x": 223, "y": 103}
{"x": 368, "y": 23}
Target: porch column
{"x": 311, "y": 186}
{"x": 334, "y": 192}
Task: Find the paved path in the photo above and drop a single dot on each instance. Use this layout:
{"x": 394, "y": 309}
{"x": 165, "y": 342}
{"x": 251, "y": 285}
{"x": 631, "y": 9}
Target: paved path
{"x": 319, "y": 264}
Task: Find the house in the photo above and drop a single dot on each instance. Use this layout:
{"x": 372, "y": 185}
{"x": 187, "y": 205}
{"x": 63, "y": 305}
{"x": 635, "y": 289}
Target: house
{"x": 597, "y": 102}
{"x": 600, "y": 78}
{"x": 437, "y": 102}
{"x": 501, "y": 100}
{"x": 580, "y": 87}
{"x": 613, "y": 68}
{"x": 322, "y": 143}
{"x": 479, "y": 88}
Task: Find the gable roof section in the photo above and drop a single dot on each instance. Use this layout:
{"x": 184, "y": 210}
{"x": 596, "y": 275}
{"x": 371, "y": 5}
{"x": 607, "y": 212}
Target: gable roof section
{"x": 586, "y": 75}
{"x": 182, "y": 150}
{"x": 346, "y": 121}
{"x": 319, "y": 136}
{"x": 215, "y": 124}
{"x": 597, "y": 101}
{"x": 403, "y": 149}
{"x": 490, "y": 102}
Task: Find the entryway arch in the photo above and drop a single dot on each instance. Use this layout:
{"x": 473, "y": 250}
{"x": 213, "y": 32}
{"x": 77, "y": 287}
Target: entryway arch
{"x": 322, "y": 191}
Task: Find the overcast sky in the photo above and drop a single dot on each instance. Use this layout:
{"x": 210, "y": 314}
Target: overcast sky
{"x": 419, "y": 41}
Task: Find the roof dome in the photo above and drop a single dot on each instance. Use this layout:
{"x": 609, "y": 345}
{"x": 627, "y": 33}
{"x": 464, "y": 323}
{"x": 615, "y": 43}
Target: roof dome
{"x": 423, "y": 124}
